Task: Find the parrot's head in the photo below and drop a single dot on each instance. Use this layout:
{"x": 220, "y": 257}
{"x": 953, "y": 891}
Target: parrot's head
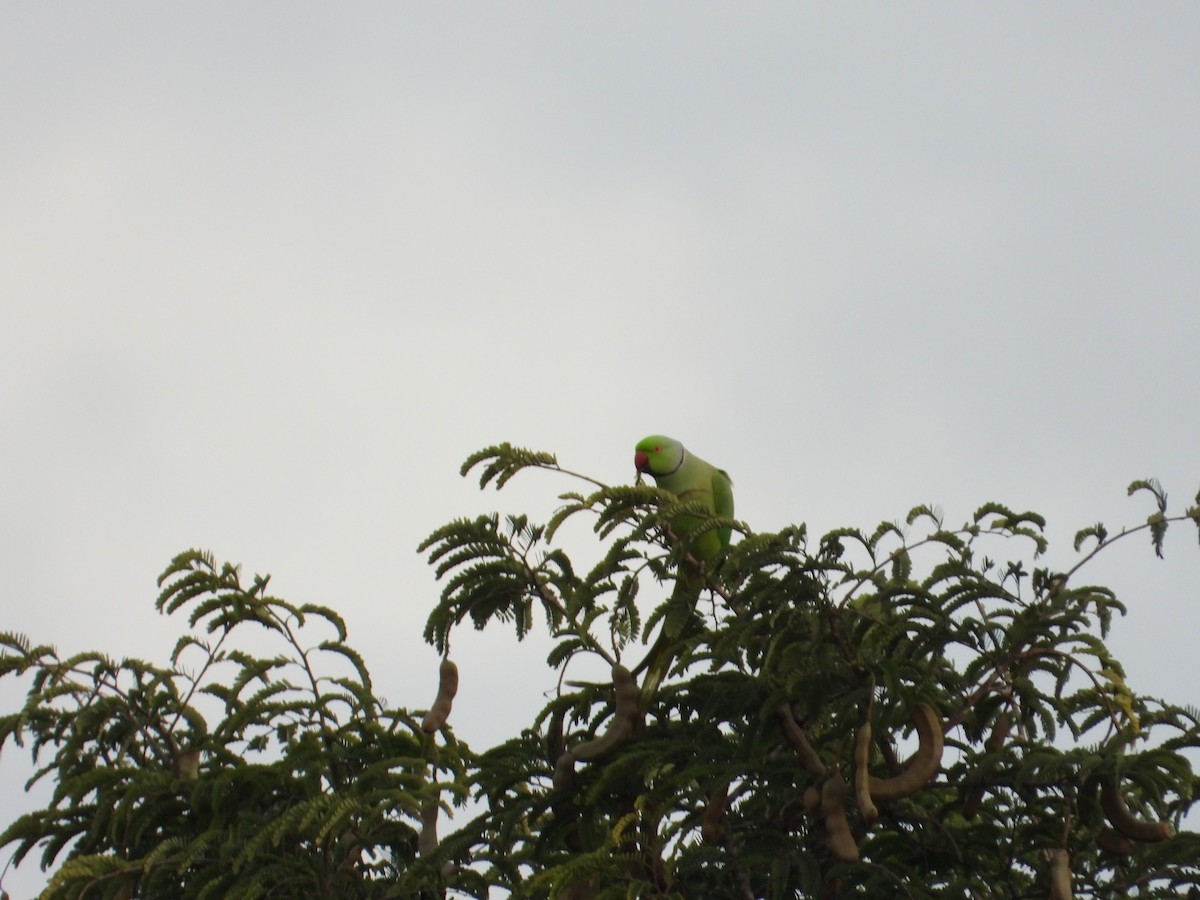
{"x": 658, "y": 455}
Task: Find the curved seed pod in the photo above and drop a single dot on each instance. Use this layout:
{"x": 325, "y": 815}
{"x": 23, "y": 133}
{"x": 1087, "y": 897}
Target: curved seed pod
{"x": 970, "y": 807}
{"x": 1112, "y": 841}
{"x": 564, "y": 771}
{"x": 1088, "y": 801}
{"x": 888, "y": 752}
{"x": 812, "y": 798}
{"x": 447, "y": 688}
{"x": 625, "y": 692}
{"x": 352, "y": 849}
{"x": 1123, "y": 820}
{"x": 564, "y": 778}
{"x": 862, "y": 758}
{"x": 555, "y": 743}
{"x": 621, "y": 726}
{"x": 714, "y": 813}
{"x": 921, "y": 767}
{"x": 999, "y": 733}
{"x": 837, "y": 828}
{"x": 1090, "y": 815}
{"x": 579, "y": 890}
{"x": 1060, "y": 875}
{"x": 993, "y": 744}
{"x": 187, "y": 764}
{"x": 797, "y": 737}
{"x": 427, "y": 839}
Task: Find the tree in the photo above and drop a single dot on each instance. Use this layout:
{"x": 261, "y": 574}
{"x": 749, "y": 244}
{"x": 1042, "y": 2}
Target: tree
{"x": 898, "y": 713}
{"x": 304, "y": 785}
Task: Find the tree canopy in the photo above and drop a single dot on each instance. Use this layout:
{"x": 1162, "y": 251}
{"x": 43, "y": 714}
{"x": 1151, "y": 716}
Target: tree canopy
{"x": 920, "y": 710}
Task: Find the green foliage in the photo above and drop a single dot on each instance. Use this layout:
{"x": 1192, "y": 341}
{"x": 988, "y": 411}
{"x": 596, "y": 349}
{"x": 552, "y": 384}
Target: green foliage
{"x": 707, "y": 796}
{"x": 258, "y": 764}
{"x": 711, "y": 765}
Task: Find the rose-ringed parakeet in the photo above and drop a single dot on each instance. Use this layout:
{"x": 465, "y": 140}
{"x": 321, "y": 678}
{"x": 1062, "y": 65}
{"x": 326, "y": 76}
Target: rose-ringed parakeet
{"x": 692, "y": 480}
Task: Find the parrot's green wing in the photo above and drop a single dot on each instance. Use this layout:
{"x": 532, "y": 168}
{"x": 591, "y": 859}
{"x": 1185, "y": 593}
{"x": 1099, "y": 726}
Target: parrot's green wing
{"x": 722, "y": 492}
{"x": 693, "y": 481}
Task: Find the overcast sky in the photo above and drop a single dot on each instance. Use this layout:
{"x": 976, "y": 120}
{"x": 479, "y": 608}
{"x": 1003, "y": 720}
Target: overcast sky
{"x": 269, "y": 272}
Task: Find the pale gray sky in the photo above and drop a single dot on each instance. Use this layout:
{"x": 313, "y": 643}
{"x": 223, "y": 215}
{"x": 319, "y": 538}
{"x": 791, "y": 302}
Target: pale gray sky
{"x": 269, "y": 272}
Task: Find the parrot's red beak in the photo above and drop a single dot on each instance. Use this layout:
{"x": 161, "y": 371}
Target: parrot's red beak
{"x": 641, "y": 461}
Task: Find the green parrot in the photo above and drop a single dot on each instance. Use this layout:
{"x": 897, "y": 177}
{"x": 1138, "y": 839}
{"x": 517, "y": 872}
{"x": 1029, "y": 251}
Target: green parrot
{"x": 690, "y": 479}
{"x": 693, "y": 480}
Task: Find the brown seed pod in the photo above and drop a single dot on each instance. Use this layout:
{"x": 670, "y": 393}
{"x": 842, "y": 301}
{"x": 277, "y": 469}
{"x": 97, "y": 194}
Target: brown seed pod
{"x": 797, "y": 737}
{"x": 1113, "y": 804}
{"x": 888, "y": 752}
{"x": 579, "y": 890}
{"x": 1091, "y": 816}
{"x": 837, "y": 828}
{"x": 714, "y": 813}
{"x": 812, "y": 798}
{"x": 1111, "y": 841}
{"x": 1088, "y": 802}
{"x": 187, "y": 764}
{"x": 625, "y": 692}
{"x": 555, "y": 742}
{"x": 993, "y": 744}
{"x": 564, "y": 771}
{"x": 427, "y": 839}
{"x": 621, "y": 726}
{"x": 447, "y": 688}
{"x": 1060, "y": 875}
{"x": 862, "y": 777}
{"x": 999, "y": 733}
{"x": 923, "y": 764}
{"x": 564, "y": 779}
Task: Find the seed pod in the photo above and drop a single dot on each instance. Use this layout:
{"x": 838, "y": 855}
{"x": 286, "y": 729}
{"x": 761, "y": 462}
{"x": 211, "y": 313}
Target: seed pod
{"x": 837, "y": 828}
{"x": 187, "y": 764}
{"x": 714, "y": 812}
{"x": 797, "y": 737}
{"x": 625, "y": 692}
{"x": 555, "y": 744}
{"x": 1112, "y": 841}
{"x": 579, "y": 890}
{"x": 862, "y": 777}
{"x": 888, "y": 752}
{"x": 1088, "y": 801}
{"x": 447, "y": 688}
{"x": 1060, "y": 875}
{"x": 1091, "y": 816}
{"x": 1123, "y": 820}
{"x": 427, "y": 840}
{"x": 921, "y": 767}
{"x": 812, "y": 798}
{"x": 564, "y": 779}
{"x": 621, "y": 726}
{"x": 999, "y": 733}
{"x": 993, "y": 744}
{"x": 564, "y": 771}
